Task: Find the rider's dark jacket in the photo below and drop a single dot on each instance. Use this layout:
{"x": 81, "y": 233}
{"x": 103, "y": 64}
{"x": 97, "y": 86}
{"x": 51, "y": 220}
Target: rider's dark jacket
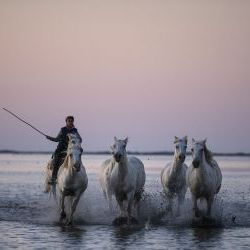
{"x": 62, "y": 138}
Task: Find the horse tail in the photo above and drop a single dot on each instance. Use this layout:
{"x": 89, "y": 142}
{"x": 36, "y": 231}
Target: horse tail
{"x": 48, "y": 172}
{"x": 53, "y": 191}
{"x": 48, "y": 188}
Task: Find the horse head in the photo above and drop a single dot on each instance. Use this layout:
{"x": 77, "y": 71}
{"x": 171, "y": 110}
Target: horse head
{"x": 198, "y": 148}
{"x": 74, "y": 151}
{"x": 119, "y": 149}
{"x": 180, "y": 147}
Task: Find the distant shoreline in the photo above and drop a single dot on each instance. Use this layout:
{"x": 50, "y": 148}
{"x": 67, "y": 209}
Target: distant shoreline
{"x": 108, "y": 152}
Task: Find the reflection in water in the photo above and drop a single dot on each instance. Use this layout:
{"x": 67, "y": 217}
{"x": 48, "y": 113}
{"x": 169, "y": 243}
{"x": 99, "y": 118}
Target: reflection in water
{"x": 128, "y": 236}
{"x": 124, "y": 232}
{"x": 212, "y": 236}
{"x": 73, "y": 234}
{"x": 29, "y": 219}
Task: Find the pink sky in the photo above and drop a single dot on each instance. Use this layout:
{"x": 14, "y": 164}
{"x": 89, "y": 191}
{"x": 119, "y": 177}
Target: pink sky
{"x": 144, "y": 69}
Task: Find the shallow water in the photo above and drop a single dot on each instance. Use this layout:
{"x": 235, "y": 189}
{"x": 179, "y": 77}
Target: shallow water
{"x": 29, "y": 217}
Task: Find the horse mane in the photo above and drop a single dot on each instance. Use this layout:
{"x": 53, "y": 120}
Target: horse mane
{"x": 208, "y": 156}
{"x": 65, "y": 162}
{"x": 65, "y": 165}
{"x": 78, "y": 144}
{"x": 73, "y": 136}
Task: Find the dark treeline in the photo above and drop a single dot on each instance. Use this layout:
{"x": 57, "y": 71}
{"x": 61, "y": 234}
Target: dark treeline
{"x": 129, "y": 152}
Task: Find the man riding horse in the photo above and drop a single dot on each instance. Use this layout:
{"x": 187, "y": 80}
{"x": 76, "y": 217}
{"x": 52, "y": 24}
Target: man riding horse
{"x": 60, "y": 152}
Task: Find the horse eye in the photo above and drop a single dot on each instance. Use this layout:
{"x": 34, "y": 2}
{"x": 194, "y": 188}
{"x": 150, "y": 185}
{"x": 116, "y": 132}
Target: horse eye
{"x": 177, "y": 146}
{"x": 73, "y": 142}
{"x": 192, "y": 150}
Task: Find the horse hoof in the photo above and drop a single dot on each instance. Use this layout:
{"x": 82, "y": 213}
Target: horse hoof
{"x": 169, "y": 211}
{"x": 133, "y": 220}
{"x": 63, "y": 216}
{"x": 69, "y": 223}
{"x": 120, "y": 221}
{"x": 197, "y": 213}
{"x": 208, "y": 219}
{"x": 178, "y": 214}
{"x": 205, "y": 222}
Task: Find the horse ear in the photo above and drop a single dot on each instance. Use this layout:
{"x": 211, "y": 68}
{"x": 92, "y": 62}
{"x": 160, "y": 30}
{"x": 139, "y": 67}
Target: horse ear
{"x": 126, "y": 140}
{"x": 204, "y": 141}
{"x": 193, "y": 140}
{"x": 176, "y": 139}
{"x": 115, "y": 139}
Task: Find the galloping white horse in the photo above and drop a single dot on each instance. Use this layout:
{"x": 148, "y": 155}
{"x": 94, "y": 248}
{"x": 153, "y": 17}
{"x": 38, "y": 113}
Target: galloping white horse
{"x": 203, "y": 176}
{"x": 72, "y": 179}
{"x": 173, "y": 176}
{"x": 123, "y": 177}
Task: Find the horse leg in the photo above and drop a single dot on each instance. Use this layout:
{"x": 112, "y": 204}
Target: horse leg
{"x": 136, "y": 207}
{"x": 121, "y": 205}
{"x": 130, "y": 204}
{"x": 195, "y": 207}
{"x": 74, "y": 203}
{"x": 62, "y": 213}
{"x": 111, "y": 209}
{"x": 209, "y": 205}
{"x": 122, "y": 218}
{"x": 181, "y": 198}
{"x": 170, "y": 203}
{"x": 137, "y": 198}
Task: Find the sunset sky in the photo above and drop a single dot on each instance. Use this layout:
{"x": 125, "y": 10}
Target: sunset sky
{"x": 148, "y": 70}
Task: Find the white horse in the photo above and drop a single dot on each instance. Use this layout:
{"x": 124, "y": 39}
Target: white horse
{"x": 173, "y": 176}
{"x": 203, "y": 176}
{"x": 123, "y": 177}
{"x": 72, "y": 179}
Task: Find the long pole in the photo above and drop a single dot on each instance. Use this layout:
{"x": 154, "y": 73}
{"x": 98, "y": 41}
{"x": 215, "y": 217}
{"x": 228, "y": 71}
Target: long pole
{"x": 20, "y": 119}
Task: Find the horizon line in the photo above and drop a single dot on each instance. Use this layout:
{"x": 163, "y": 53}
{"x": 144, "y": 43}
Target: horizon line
{"x": 105, "y": 152}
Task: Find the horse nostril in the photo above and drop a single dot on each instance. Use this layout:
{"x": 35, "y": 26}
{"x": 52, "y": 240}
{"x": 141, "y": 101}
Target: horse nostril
{"x": 117, "y": 156}
{"x": 182, "y": 157}
{"x": 77, "y": 167}
{"x": 195, "y": 164}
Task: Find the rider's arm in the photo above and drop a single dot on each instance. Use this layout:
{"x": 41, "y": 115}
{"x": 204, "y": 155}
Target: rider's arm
{"x": 55, "y": 139}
